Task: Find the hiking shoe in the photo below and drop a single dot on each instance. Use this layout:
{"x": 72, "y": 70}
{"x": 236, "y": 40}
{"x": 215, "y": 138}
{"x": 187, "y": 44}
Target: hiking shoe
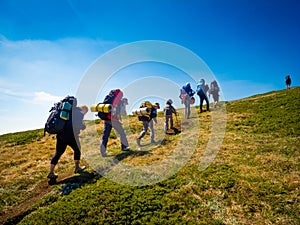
{"x": 79, "y": 169}
{"x": 104, "y": 155}
{"x": 125, "y": 149}
{"x": 138, "y": 141}
{"x": 52, "y": 176}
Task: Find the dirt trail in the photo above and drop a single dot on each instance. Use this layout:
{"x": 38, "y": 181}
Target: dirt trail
{"x": 16, "y": 213}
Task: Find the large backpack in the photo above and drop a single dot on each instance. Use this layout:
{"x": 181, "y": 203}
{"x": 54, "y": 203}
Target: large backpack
{"x": 188, "y": 89}
{"x": 149, "y": 106}
{"x": 114, "y": 98}
{"x": 60, "y": 113}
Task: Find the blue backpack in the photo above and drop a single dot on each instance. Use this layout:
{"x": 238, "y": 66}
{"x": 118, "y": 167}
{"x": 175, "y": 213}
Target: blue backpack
{"x": 187, "y": 88}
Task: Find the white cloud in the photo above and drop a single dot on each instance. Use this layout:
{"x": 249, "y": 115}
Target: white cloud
{"x": 34, "y": 74}
{"x": 43, "y": 97}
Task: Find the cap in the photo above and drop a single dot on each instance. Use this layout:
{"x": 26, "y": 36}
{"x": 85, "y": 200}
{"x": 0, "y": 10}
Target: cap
{"x": 157, "y": 104}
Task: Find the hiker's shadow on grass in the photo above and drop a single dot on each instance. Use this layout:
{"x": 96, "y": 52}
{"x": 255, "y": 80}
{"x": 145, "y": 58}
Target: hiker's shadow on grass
{"x": 124, "y": 155}
{"x": 76, "y": 181}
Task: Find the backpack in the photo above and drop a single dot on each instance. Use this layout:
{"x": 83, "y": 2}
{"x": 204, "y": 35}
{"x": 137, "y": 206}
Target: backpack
{"x": 149, "y": 107}
{"x": 114, "y": 98}
{"x": 214, "y": 88}
{"x": 187, "y": 88}
{"x": 200, "y": 90}
{"x": 60, "y": 113}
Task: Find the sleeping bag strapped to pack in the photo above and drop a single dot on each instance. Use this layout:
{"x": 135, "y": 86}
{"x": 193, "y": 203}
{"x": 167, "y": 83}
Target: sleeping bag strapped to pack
{"x": 148, "y": 106}
{"x": 114, "y": 99}
{"x": 101, "y": 107}
{"x": 59, "y": 114}
{"x": 141, "y": 111}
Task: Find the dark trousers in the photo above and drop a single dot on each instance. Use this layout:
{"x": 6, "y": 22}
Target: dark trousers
{"x": 61, "y": 146}
{"x": 108, "y": 125}
{"x": 202, "y": 98}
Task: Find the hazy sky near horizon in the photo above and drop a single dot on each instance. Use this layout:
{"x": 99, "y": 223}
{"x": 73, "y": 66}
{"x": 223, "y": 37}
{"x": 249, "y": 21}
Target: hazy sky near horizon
{"x": 47, "y": 47}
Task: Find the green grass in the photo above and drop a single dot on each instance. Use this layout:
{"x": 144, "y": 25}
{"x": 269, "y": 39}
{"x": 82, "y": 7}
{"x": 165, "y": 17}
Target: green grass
{"x": 21, "y": 138}
{"x": 254, "y": 178}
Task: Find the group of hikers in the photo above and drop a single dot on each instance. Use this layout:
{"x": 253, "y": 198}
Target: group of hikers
{"x": 111, "y": 111}
{"x": 187, "y": 93}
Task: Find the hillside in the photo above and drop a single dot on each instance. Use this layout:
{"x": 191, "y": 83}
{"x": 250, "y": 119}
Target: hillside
{"x": 253, "y": 178}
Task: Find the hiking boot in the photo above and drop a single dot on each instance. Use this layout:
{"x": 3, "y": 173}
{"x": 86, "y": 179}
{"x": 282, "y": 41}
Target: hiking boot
{"x": 52, "y": 176}
{"x": 138, "y": 141}
{"x": 79, "y": 169}
{"x": 104, "y": 155}
{"x": 125, "y": 149}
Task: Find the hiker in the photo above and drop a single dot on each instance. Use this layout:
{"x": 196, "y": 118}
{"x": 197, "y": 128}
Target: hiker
{"x": 186, "y": 93}
{"x": 214, "y": 91}
{"x": 288, "y": 81}
{"x": 168, "y": 112}
{"x": 148, "y": 123}
{"x": 70, "y": 137}
{"x": 112, "y": 120}
{"x": 202, "y": 89}
{"x": 124, "y": 102}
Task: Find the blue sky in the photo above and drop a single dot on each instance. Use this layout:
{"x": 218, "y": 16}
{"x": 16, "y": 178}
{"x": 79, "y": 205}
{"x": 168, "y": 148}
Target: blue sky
{"x": 47, "y": 47}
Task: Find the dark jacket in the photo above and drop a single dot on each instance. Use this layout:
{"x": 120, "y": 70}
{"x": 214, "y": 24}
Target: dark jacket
{"x": 73, "y": 125}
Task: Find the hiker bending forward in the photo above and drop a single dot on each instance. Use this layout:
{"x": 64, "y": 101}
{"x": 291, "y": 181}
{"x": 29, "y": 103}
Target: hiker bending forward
{"x": 149, "y": 124}
{"x": 70, "y": 137}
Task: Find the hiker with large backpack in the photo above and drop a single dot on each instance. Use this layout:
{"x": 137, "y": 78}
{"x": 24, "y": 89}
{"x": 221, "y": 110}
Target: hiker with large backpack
{"x": 202, "y": 89}
{"x": 147, "y": 114}
{"x": 69, "y": 135}
{"x": 214, "y": 91}
{"x": 169, "y": 110}
{"x": 186, "y": 95}
{"x": 109, "y": 111}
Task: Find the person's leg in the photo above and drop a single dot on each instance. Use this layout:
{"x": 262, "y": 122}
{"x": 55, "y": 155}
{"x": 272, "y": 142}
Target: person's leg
{"x": 188, "y": 107}
{"x": 201, "y": 103}
{"x": 171, "y": 121}
{"x": 152, "y": 131}
{"x": 166, "y": 123}
{"x": 143, "y": 133}
{"x": 207, "y": 103}
{"x": 60, "y": 149}
{"x": 105, "y": 136}
{"x": 75, "y": 145}
{"x": 120, "y": 130}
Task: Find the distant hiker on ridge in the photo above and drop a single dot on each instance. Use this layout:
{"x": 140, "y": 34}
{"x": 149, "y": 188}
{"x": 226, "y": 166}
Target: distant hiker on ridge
{"x": 288, "y": 81}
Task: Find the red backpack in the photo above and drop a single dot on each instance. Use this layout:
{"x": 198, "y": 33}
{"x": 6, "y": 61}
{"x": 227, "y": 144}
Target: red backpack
{"x": 114, "y": 98}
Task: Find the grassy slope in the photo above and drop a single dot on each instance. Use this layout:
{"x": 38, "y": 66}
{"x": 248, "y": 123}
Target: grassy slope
{"x": 253, "y": 180}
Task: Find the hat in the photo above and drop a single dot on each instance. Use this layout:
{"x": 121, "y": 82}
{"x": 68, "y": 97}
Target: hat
{"x": 170, "y": 101}
{"x": 157, "y": 104}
